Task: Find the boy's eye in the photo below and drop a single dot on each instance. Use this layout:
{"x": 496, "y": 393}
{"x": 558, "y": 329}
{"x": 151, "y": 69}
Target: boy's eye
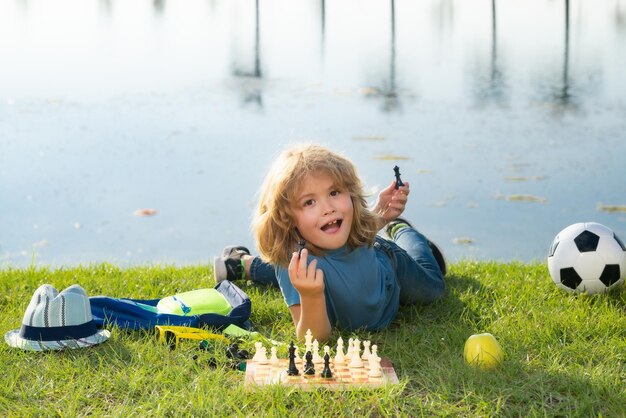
{"x": 335, "y": 193}
{"x": 308, "y": 202}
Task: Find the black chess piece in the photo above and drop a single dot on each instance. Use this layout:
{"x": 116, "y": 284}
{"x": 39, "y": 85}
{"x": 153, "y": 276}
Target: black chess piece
{"x": 243, "y": 354}
{"x": 399, "y": 183}
{"x": 327, "y": 373}
{"x": 233, "y": 351}
{"x": 309, "y": 367}
{"x": 292, "y": 370}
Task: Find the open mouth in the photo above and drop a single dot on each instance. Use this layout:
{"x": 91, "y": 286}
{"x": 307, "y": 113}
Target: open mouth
{"x": 332, "y": 226}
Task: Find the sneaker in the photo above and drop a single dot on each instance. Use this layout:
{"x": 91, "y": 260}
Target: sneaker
{"x": 399, "y": 223}
{"x": 230, "y": 266}
{"x": 235, "y": 251}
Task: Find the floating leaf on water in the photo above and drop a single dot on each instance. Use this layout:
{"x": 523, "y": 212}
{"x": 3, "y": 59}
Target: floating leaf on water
{"x": 521, "y": 198}
{"x": 370, "y": 91}
{"x": 145, "y": 212}
{"x": 523, "y": 178}
{"x": 423, "y": 171}
{"x": 612, "y": 208}
{"x": 390, "y": 157}
{"x": 368, "y": 138}
{"x": 463, "y": 241}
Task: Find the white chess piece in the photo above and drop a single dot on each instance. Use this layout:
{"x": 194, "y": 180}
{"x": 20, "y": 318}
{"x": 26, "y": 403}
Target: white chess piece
{"x": 326, "y": 351}
{"x": 349, "y": 350}
{"x": 375, "y": 350}
{"x": 366, "y": 350}
{"x": 357, "y": 346}
{"x": 274, "y": 358}
{"x": 297, "y": 359}
{"x": 339, "y": 358}
{"x": 355, "y": 356}
{"x": 374, "y": 363}
{"x": 257, "y": 350}
{"x": 308, "y": 339}
{"x": 263, "y": 356}
{"x": 316, "y": 353}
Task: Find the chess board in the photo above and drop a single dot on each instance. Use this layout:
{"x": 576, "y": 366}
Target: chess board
{"x": 344, "y": 377}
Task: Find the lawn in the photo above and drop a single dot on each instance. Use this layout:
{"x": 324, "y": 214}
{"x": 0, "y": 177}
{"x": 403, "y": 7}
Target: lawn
{"x": 565, "y": 355}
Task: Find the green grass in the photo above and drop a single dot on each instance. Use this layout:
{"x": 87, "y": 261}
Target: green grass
{"x": 565, "y": 355}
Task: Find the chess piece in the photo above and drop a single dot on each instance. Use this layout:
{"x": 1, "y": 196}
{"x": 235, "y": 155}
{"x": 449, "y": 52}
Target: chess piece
{"x": 355, "y": 356}
{"x": 301, "y": 245}
{"x": 274, "y": 357}
{"x": 374, "y": 363}
{"x": 356, "y": 346}
{"x": 339, "y": 357}
{"x": 308, "y": 339}
{"x": 355, "y": 361}
{"x": 292, "y": 370}
{"x": 309, "y": 367}
{"x": 317, "y": 359}
{"x": 399, "y": 182}
{"x": 327, "y": 373}
{"x": 349, "y": 350}
{"x": 232, "y": 351}
{"x": 326, "y": 350}
{"x": 257, "y": 350}
{"x": 263, "y": 356}
{"x": 366, "y": 350}
{"x": 375, "y": 350}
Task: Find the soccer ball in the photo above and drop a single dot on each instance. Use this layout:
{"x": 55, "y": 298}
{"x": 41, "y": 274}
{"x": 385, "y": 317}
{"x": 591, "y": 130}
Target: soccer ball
{"x": 587, "y": 257}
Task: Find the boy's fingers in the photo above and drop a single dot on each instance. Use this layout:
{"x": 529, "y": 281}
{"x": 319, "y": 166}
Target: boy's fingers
{"x": 311, "y": 269}
{"x": 303, "y": 263}
{"x": 293, "y": 264}
{"x": 319, "y": 276}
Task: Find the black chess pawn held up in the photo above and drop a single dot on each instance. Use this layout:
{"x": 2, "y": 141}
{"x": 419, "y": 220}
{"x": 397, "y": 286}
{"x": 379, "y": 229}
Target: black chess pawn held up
{"x": 399, "y": 182}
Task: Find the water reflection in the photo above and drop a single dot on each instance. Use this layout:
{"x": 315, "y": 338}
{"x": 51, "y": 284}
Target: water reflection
{"x": 492, "y": 88}
{"x": 167, "y": 105}
{"x": 562, "y": 94}
{"x": 252, "y": 93}
{"x": 388, "y": 91}
{"x": 322, "y": 29}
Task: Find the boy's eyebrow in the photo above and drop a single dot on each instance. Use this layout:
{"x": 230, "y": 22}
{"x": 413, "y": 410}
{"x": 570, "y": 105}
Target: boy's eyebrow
{"x": 312, "y": 194}
{"x": 304, "y": 195}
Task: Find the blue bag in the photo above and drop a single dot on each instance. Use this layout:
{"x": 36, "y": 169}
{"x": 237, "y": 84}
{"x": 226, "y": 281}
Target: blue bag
{"x": 140, "y": 314}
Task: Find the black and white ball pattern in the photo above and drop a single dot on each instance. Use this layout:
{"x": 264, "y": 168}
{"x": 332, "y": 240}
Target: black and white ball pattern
{"x": 587, "y": 257}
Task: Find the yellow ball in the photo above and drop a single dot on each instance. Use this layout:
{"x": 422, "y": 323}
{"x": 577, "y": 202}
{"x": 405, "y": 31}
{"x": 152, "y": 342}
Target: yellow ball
{"x": 483, "y": 350}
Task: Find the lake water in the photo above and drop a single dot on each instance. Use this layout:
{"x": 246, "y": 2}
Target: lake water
{"x": 508, "y": 119}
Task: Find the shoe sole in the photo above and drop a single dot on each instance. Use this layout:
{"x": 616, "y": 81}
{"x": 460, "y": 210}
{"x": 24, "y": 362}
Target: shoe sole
{"x": 219, "y": 269}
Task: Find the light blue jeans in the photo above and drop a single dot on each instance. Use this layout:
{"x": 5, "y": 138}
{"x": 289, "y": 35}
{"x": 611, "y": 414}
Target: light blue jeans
{"x": 417, "y": 271}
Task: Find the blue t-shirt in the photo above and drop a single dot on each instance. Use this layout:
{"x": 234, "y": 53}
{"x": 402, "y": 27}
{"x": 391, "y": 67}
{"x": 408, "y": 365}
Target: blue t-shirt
{"x": 360, "y": 287}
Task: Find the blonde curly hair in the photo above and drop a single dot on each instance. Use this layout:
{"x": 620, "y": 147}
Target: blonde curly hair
{"x": 273, "y": 224}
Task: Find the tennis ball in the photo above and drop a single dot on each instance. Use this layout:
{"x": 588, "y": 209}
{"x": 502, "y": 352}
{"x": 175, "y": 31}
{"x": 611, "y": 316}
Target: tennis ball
{"x": 483, "y": 350}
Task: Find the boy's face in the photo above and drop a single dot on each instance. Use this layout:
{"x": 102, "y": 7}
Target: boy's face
{"x": 323, "y": 212}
